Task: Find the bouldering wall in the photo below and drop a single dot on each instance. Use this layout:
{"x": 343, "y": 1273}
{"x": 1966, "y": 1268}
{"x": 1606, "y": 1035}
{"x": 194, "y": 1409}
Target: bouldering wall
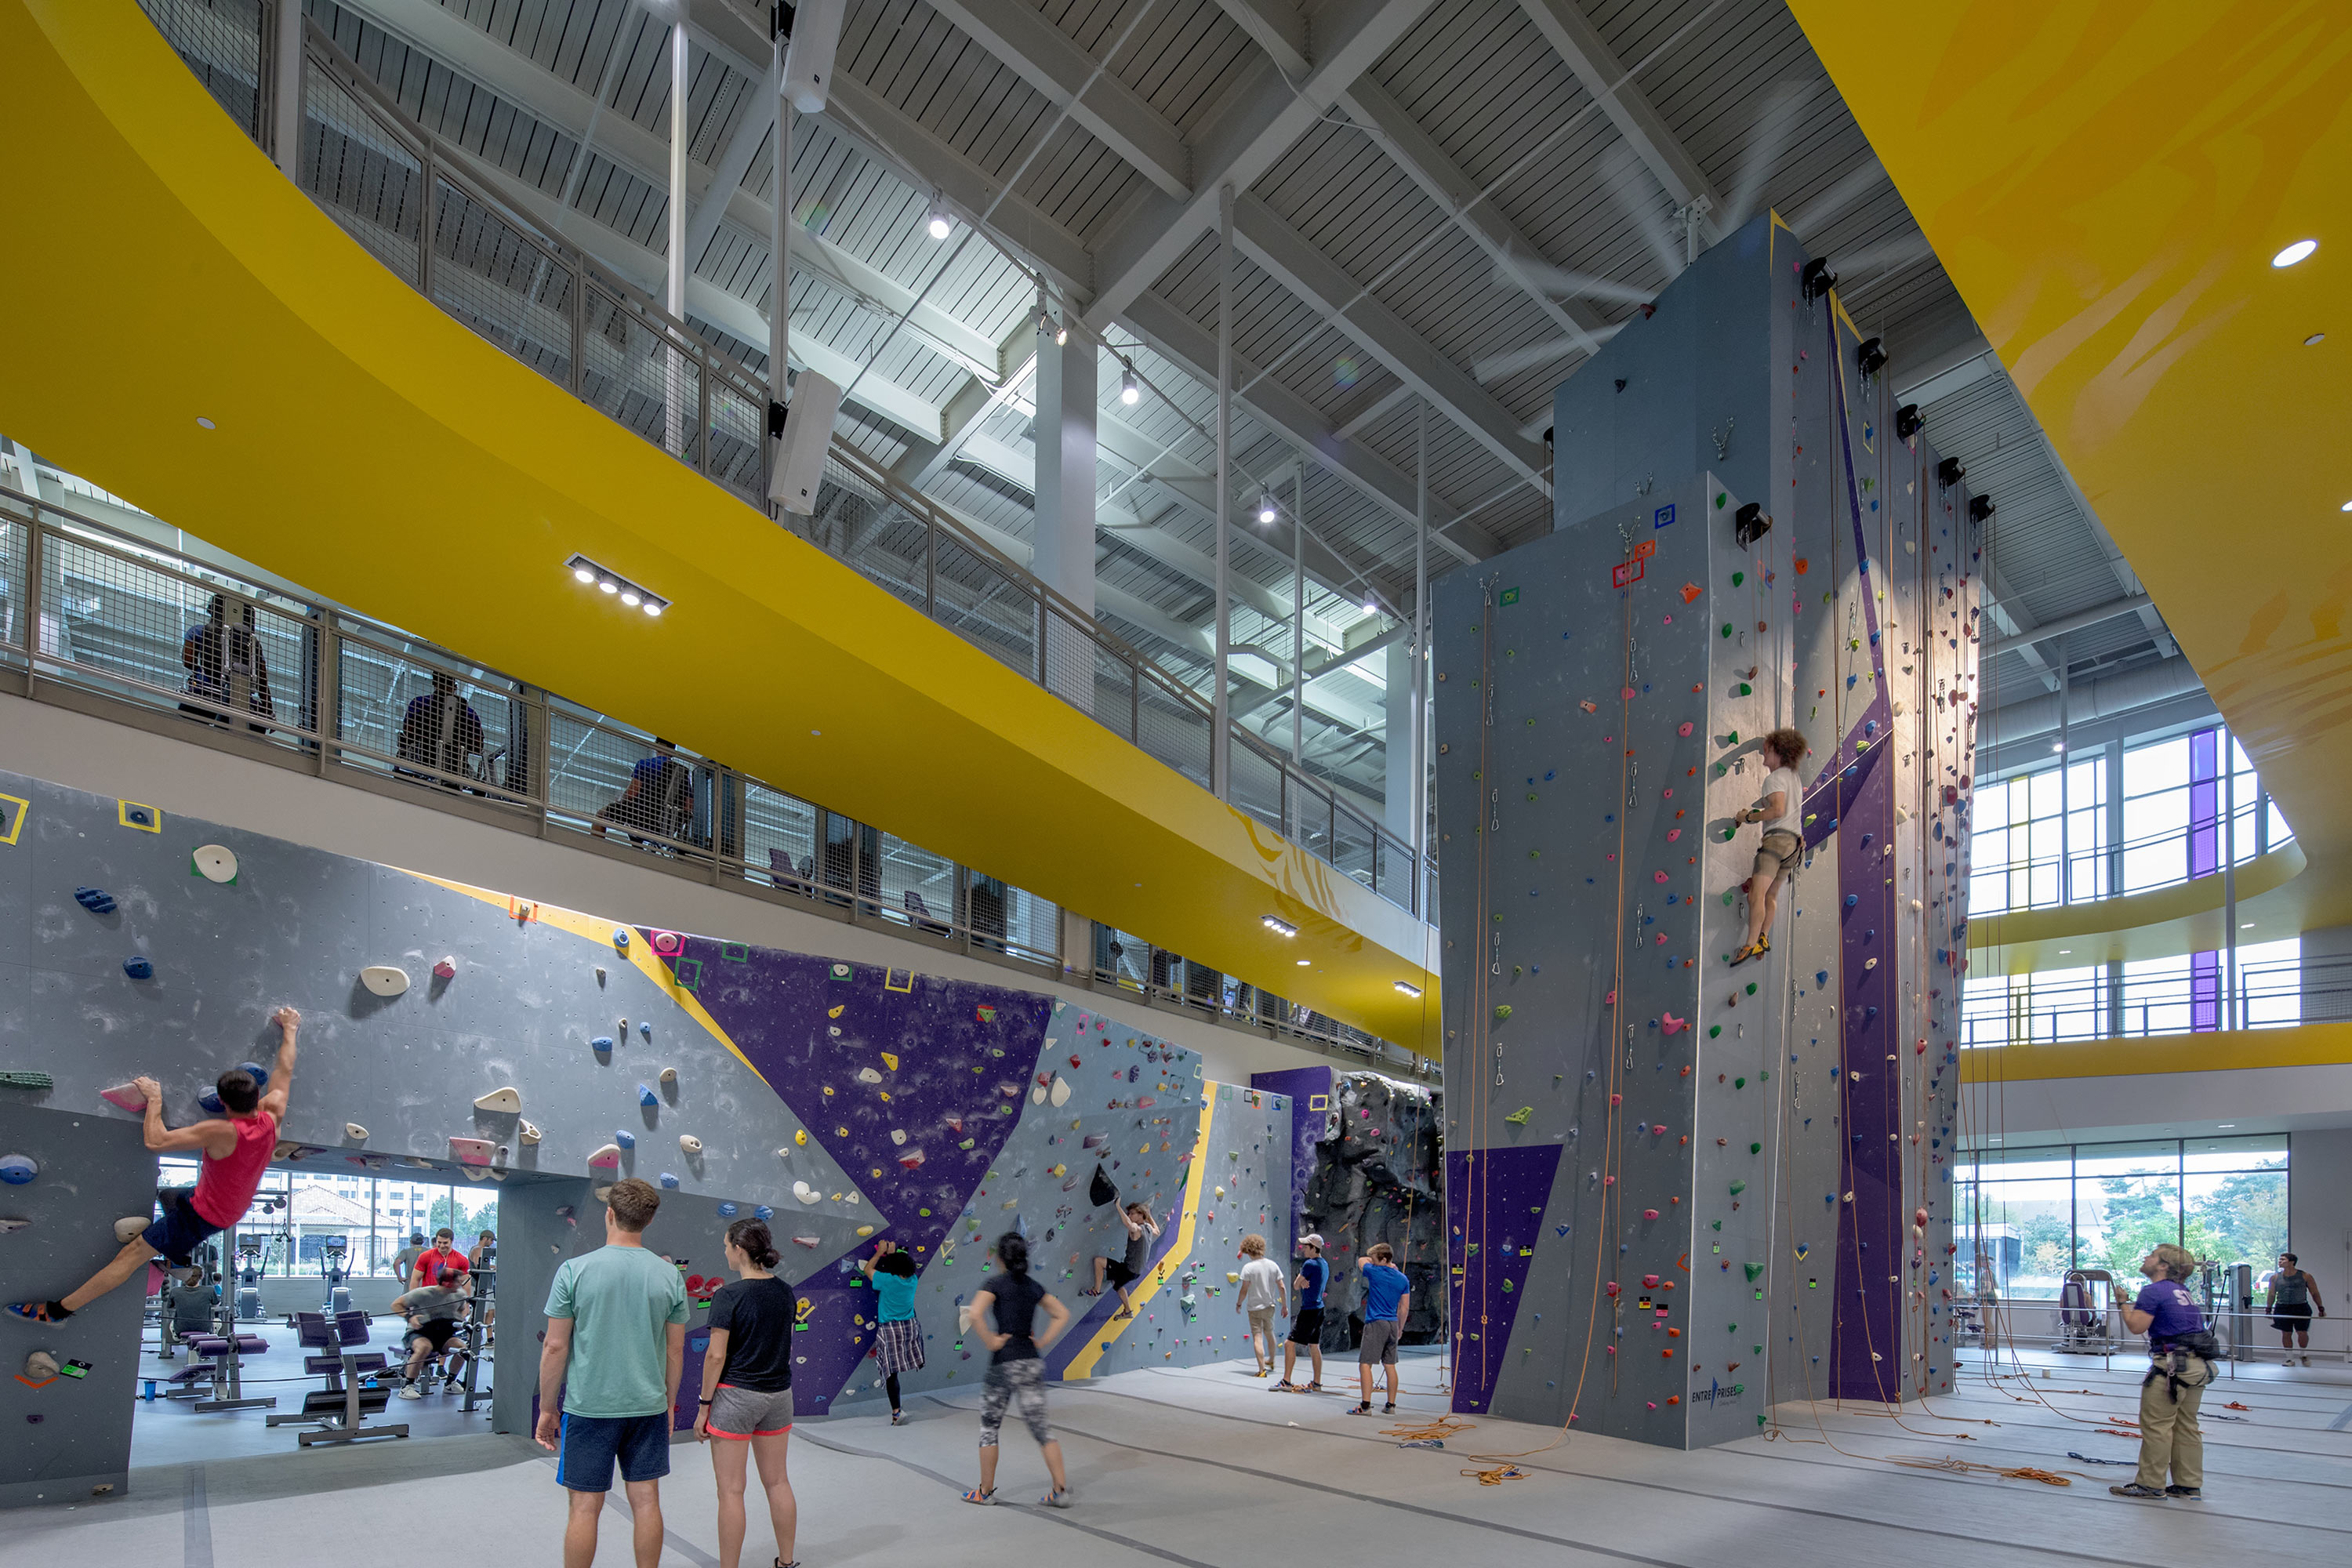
{"x": 553, "y": 1051}
{"x": 1366, "y": 1164}
{"x": 1723, "y": 1186}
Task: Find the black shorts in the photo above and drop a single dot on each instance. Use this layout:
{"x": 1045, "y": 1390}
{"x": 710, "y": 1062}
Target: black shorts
{"x": 182, "y": 1229}
{"x": 437, "y": 1332}
{"x": 2292, "y": 1320}
{"x": 1119, "y": 1273}
{"x": 1306, "y": 1328}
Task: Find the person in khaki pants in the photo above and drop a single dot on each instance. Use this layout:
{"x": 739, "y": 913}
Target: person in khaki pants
{"x": 2169, "y": 1437}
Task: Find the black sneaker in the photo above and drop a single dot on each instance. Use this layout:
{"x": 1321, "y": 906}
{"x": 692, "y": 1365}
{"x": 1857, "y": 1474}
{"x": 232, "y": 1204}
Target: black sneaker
{"x": 1390, "y": 1409}
{"x": 2194, "y": 1494}
{"x": 2137, "y": 1490}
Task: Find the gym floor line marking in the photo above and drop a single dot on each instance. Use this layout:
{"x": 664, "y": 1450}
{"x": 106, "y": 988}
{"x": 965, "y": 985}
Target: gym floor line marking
{"x": 1606, "y": 1480}
{"x": 196, "y": 1521}
{"x": 1376, "y": 1502}
{"x": 1055, "y": 1516}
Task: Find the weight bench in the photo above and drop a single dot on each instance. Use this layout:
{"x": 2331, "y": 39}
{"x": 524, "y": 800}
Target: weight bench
{"x": 337, "y": 1410}
{"x": 222, "y": 1357}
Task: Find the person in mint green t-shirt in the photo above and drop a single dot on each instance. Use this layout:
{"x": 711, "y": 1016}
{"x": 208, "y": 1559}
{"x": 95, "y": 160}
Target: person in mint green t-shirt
{"x": 616, "y": 1346}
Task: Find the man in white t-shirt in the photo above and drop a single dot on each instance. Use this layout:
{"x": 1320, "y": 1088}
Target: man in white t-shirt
{"x": 1775, "y": 808}
{"x": 1263, "y": 1290}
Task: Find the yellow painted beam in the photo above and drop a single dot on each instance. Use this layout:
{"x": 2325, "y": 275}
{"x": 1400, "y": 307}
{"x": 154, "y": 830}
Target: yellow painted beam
{"x": 2220, "y": 1050}
{"x": 2107, "y": 186}
{"x": 365, "y": 444}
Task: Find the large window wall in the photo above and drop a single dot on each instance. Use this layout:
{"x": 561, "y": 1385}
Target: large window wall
{"x": 299, "y": 1208}
{"x": 2176, "y": 995}
{"x": 2024, "y": 1217}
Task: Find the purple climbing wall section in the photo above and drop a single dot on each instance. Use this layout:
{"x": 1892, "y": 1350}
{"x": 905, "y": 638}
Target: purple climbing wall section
{"x": 911, "y": 1082}
{"x": 1309, "y": 1091}
{"x": 1499, "y": 1194}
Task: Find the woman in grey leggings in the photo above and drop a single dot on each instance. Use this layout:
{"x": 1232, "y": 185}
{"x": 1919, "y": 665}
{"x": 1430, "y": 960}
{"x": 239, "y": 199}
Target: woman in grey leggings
{"x": 1016, "y": 1369}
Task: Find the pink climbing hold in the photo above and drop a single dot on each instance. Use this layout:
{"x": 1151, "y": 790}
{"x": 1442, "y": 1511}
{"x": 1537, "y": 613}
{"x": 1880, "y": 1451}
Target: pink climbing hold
{"x": 1685, "y": 728}
{"x": 1657, "y": 876}
{"x": 1616, "y": 1099}
{"x": 1657, "y": 1129}
{"x": 1615, "y": 1287}
{"x": 445, "y": 970}
{"x": 1627, "y": 694}
{"x": 1673, "y": 833}
{"x": 1650, "y": 1282}
{"x": 1649, "y": 1213}
{"x": 1671, "y": 1025}
{"x": 124, "y": 1097}
{"x": 668, "y": 943}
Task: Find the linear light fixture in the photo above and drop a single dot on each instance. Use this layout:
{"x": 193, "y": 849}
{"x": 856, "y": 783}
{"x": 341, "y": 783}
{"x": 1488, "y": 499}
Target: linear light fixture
{"x": 1407, "y": 988}
{"x": 1277, "y": 925}
{"x": 589, "y": 574}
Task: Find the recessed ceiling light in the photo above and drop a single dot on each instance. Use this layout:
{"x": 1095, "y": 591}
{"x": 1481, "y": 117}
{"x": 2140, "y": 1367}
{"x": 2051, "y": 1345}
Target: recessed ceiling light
{"x": 608, "y": 586}
{"x": 820, "y": 732}
{"x": 629, "y": 597}
{"x": 1277, "y": 925}
{"x": 2064, "y": 951}
{"x": 1305, "y": 961}
{"x": 653, "y": 608}
{"x": 2295, "y": 253}
{"x": 2346, "y": 506}
{"x": 2225, "y": 1124}
{"x": 583, "y": 575}
{"x": 2247, "y": 926}
{"x": 2314, "y": 341}
{"x": 204, "y": 423}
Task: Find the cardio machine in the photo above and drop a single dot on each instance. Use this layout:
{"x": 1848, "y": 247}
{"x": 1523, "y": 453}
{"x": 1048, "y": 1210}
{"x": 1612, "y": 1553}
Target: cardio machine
{"x": 248, "y": 1280}
{"x": 333, "y": 1251}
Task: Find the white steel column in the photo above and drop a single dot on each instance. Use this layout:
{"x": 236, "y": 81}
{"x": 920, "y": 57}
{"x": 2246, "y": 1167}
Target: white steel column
{"x": 1419, "y": 643}
{"x": 1220, "y": 781}
{"x": 1062, "y": 549}
{"x": 675, "y": 396}
{"x": 1396, "y": 667}
{"x": 1298, "y": 609}
{"x": 780, "y": 238}
{"x": 286, "y": 89}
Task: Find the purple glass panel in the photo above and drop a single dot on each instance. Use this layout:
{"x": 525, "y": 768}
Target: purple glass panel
{"x": 2204, "y": 990}
{"x": 2204, "y": 803}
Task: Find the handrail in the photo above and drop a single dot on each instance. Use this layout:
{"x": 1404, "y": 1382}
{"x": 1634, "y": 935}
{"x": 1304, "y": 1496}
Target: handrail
{"x": 2015, "y": 1014}
{"x": 2096, "y": 858}
{"x": 90, "y": 608}
{"x": 443, "y": 255}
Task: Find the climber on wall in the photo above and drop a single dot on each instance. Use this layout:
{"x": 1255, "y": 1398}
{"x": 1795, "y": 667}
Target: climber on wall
{"x": 1775, "y": 808}
{"x": 235, "y": 1152}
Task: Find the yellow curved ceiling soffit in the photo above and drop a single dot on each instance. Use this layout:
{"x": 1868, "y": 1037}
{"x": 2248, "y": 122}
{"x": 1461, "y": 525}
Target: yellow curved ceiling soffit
{"x": 370, "y": 446}
{"x": 2107, "y": 184}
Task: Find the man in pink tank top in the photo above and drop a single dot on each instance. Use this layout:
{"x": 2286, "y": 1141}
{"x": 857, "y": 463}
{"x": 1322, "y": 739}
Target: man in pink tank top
{"x": 237, "y": 1149}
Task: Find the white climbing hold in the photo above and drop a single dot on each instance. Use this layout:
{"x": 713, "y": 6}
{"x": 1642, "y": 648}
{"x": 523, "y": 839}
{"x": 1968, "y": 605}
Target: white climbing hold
{"x": 470, "y": 1151}
{"x": 898, "y": 1135}
{"x": 529, "y": 1133}
{"x": 385, "y": 979}
{"x": 688, "y": 1144}
{"x": 354, "y": 1131}
{"x": 867, "y": 1075}
{"x": 606, "y": 1157}
{"x": 446, "y": 967}
{"x": 669, "y": 1074}
{"x": 602, "y": 1195}
{"x": 1060, "y": 1093}
{"x": 806, "y": 1240}
{"x": 215, "y": 863}
{"x": 501, "y": 1099}
{"x": 805, "y": 1192}
{"x": 474, "y": 1173}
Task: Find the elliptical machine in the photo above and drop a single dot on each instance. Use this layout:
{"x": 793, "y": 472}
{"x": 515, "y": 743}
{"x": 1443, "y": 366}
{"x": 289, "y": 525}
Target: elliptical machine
{"x": 333, "y": 1251}
{"x": 248, "y": 1280}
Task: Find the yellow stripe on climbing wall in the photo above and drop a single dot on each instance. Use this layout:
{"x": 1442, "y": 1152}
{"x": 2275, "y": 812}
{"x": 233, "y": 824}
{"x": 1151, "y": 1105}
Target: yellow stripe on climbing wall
{"x": 1100, "y": 1340}
{"x": 597, "y": 931}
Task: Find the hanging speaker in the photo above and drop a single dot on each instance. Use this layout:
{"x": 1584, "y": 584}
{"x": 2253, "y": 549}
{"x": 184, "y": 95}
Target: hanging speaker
{"x": 808, "y": 430}
{"x": 808, "y": 53}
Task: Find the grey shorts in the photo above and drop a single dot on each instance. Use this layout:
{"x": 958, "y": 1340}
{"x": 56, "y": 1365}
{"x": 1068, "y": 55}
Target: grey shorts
{"x": 743, "y": 1413}
{"x": 1379, "y": 1347}
{"x": 1779, "y": 853}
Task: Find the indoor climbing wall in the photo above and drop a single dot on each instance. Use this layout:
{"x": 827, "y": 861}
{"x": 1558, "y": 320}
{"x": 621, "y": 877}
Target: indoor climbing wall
{"x": 1724, "y": 1186}
{"x": 548, "y": 1053}
{"x": 1365, "y": 1152}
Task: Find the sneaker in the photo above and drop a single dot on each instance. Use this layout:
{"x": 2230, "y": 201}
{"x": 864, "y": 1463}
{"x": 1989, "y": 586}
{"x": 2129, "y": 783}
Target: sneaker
{"x": 1060, "y": 1497}
{"x": 2135, "y": 1489}
{"x": 898, "y": 1418}
{"x": 2192, "y": 1494}
{"x": 985, "y": 1498}
{"x": 410, "y": 1392}
{"x": 1390, "y": 1409}
{"x": 1363, "y": 1409}
{"x": 1285, "y": 1386}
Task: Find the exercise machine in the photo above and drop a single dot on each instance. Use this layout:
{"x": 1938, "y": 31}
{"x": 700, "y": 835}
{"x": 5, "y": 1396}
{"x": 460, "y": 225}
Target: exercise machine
{"x": 248, "y": 1280}
{"x": 354, "y": 1389}
{"x": 213, "y": 1377}
{"x": 2085, "y": 1322}
{"x": 333, "y": 1251}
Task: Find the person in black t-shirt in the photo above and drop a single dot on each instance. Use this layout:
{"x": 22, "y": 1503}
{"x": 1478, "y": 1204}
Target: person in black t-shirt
{"x": 747, "y": 1377}
{"x": 1016, "y": 1369}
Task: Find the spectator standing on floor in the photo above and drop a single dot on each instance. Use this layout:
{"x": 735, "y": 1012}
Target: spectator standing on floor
{"x": 1306, "y": 1328}
{"x": 1016, "y": 1366}
{"x": 897, "y": 1335}
{"x": 2293, "y": 1299}
{"x": 403, "y": 1262}
{"x": 1262, "y": 1295}
{"x": 608, "y": 1376}
{"x": 1388, "y": 1297}
{"x": 2181, "y": 1351}
{"x": 747, "y": 1400}
{"x": 442, "y": 1254}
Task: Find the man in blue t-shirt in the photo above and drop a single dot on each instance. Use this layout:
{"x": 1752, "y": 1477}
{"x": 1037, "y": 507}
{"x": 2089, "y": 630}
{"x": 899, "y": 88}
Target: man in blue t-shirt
{"x": 1388, "y": 1297}
{"x": 2169, "y": 1437}
{"x": 1306, "y": 1328}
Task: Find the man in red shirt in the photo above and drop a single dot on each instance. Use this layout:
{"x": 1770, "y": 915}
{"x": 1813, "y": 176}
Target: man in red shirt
{"x": 237, "y": 1149}
{"x": 443, "y": 1254}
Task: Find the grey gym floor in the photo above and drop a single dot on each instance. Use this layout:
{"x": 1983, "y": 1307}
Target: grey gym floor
{"x": 1208, "y": 1466}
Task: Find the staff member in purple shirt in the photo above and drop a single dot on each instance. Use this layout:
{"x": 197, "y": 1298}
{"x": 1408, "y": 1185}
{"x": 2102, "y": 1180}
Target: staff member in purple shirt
{"x": 2181, "y": 1351}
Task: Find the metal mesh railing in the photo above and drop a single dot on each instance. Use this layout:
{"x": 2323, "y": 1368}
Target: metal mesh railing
{"x": 403, "y": 196}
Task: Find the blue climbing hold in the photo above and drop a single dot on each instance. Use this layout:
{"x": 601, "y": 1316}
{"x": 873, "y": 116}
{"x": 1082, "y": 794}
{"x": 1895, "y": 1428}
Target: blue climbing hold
{"x": 16, "y": 1170}
{"x": 601, "y": 1043}
{"x": 646, "y": 1030}
{"x": 1821, "y": 977}
{"x": 728, "y": 1211}
{"x": 625, "y": 1139}
{"x": 647, "y": 1096}
{"x": 1866, "y": 838}
{"x": 138, "y": 968}
{"x": 1871, "y": 1013}
{"x": 97, "y": 901}
{"x": 763, "y": 1212}
{"x": 621, "y": 938}
{"x": 669, "y": 1180}
{"x": 1852, "y": 900}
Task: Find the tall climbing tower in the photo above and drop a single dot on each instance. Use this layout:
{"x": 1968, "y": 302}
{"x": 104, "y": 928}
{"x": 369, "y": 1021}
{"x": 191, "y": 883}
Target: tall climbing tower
{"x": 1681, "y": 1192}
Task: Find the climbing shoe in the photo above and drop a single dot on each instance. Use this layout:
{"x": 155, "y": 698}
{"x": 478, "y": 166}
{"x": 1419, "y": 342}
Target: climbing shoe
{"x": 41, "y": 1312}
{"x": 2137, "y": 1490}
{"x": 898, "y": 1418}
{"x": 1285, "y": 1386}
{"x": 1060, "y": 1497}
{"x": 1745, "y": 953}
{"x": 985, "y": 1498}
{"x": 1363, "y": 1409}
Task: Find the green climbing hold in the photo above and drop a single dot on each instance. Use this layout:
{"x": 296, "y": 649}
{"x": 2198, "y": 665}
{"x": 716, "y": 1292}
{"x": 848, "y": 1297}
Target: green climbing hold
{"x": 1713, "y": 1031}
{"x": 1535, "y": 854}
{"x": 1727, "y": 897}
{"x": 1753, "y": 1269}
{"x": 1732, "y": 739}
{"x": 1739, "y": 1083}
{"x": 1720, "y": 498}
{"x": 1746, "y": 689}
{"x": 1736, "y": 1188}
{"x": 1727, "y": 628}
{"x": 1738, "y": 578}
{"x": 1519, "y": 1118}
{"x": 1730, "y": 832}
{"x": 1502, "y": 1011}
{"x": 1718, "y": 1224}
{"x": 1751, "y": 988}
{"x": 1507, "y": 1285}
{"x": 1755, "y": 1148}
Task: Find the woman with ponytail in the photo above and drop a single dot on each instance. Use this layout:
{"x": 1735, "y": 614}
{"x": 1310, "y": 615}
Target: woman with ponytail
{"x": 897, "y": 1333}
{"x": 1016, "y": 1370}
{"x": 747, "y": 1378}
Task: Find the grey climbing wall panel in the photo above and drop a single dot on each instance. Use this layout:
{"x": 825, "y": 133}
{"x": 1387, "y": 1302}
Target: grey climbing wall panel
{"x": 857, "y": 1104}
{"x": 1640, "y": 1136}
